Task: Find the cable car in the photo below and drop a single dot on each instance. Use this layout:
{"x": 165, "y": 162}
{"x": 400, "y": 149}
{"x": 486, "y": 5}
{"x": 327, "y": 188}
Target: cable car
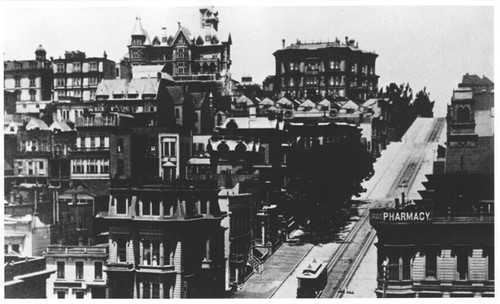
{"x": 312, "y": 280}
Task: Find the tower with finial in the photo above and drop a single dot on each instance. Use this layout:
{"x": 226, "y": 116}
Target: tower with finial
{"x": 138, "y": 48}
{"x": 209, "y": 20}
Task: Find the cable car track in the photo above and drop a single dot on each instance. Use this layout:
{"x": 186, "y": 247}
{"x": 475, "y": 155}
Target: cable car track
{"x": 349, "y": 254}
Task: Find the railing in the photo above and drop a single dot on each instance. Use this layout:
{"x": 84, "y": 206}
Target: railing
{"x": 91, "y": 149}
{"x": 53, "y": 250}
{"x": 200, "y": 77}
{"x": 96, "y": 121}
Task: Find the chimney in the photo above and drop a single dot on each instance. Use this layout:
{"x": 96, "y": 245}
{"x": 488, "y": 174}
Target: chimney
{"x": 346, "y": 40}
{"x": 252, "y": 113}
{"x": 283, "y": 41}
{"x": 105, "y": 55}
{"x": 179, "y": 24}
{"x": 164, "y": 35}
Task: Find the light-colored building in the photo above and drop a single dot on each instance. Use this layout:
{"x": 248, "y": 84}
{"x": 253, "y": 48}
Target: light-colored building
{"x": 78, "y": 272}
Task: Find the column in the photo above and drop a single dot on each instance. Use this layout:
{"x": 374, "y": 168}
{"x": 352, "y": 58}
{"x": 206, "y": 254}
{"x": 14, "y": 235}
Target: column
{"x": 178, "y": 290}
{"x": 161, "y": 289}
{"x": 141, "y": 292}
{"x": 141, "y": 251}
{"x": 140, "y": 208}
{"x": 151, "y": 254}
{"x": 161, "y": 261}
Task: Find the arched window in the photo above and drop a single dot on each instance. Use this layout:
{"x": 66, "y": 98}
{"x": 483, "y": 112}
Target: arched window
{"x": 463, "y": 115}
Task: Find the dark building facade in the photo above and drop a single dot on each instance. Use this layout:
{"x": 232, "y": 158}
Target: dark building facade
{"x": 443, "y": 246}
{"x": 308, "y": 70}
{"x": 25, "y": 278}
{"x": 165, "y": 241}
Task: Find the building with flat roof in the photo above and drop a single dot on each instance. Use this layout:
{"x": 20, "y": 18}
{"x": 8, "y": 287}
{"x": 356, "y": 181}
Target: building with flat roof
{"x": 314, "y": 69}
{"x": 77, "y": 272}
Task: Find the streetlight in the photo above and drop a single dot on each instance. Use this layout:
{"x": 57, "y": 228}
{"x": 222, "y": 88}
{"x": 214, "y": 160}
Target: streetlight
{"x": 385, "y": 264}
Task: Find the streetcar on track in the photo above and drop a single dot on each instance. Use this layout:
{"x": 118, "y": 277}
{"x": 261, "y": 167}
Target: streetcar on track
{"x": 312, "y": 280}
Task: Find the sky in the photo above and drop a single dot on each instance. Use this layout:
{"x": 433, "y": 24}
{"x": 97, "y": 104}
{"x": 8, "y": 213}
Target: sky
{"x": 425, "y": 46}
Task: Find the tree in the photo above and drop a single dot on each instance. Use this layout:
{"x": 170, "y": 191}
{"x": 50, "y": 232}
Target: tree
{"x": 323, "y": 177}
{"x": 422, "y": 105}
{"x": 401, "y": 113}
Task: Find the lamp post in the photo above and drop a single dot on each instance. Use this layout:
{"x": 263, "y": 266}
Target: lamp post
{"x": 385, "y": 263}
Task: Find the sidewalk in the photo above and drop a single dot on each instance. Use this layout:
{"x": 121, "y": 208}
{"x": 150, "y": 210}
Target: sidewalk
{"x": 276, "y": 270}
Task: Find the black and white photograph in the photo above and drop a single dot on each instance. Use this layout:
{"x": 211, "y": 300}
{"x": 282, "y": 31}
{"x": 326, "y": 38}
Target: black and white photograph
{"x": 254, "y": 150}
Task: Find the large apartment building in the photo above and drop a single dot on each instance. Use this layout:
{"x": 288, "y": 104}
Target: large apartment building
{"x": 338, "y": 69}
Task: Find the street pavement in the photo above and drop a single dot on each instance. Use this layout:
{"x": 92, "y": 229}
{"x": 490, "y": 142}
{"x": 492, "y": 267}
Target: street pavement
{"x": 279, "y": 278}
{"x": 276, "y": 270}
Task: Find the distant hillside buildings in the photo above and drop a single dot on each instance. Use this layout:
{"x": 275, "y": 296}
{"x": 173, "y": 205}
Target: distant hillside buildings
{"x": 336, "y": 69}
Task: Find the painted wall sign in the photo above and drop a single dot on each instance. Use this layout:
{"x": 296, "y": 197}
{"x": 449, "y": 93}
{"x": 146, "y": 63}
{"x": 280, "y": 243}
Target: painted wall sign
{"x": 406, "y": 216}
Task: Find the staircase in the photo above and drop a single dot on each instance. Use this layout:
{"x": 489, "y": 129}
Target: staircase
{"x": 255, "y": 263}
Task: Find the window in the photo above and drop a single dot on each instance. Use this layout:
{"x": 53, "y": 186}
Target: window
{"x": 92, "y": 94}
{"x": 18, "y": 97}
{"x": 93, "y": 66}
{"x": 79, "y": 270}
{"x": 93, "y": 80}
{"x": 364, "y": 69}
{"x": 77, "y": 82}
{"x": 60, "y": 270}
{"x": 121, "y": 250}
{"x": 490, "y": 254}
{"x": 146, "y": 290}
{"x": 156, "y": 290}
{"x": 393, "y": 270}
{"x": 61, "y": 294}
{"x": 120, "y": 167}
{"x": 334, "y": 65}
{"x": 430, "y": 264}
{"x": 32, "y": 81}
{"x": 354, "y": 68}
{"x": 15, "y": 248}
{"x": 104, "y": 166}
{"x": 181, "y": 69}
{"x": 79, "y": 294}
{"x": 40, "y": 165}
{"x": 406, "y": 266}
{"x": 463, "y": 263}
{"x": 17, "y": 81}
{"x": 294, "y": 66}
{"x": 98, "y": 270}
{"x": 120, "y": 145}
{"x": 177, "y": 113}
{"x": 77, "y": 67}
{"x": 33, "y": 96}
{"x": 60, "y": 68}
{"x": 60, "y": 82}
{"x": 463, "y": 115}
{"x": 121, "y": 205}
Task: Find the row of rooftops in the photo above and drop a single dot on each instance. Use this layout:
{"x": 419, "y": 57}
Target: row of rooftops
{"x": 304, "y": 104}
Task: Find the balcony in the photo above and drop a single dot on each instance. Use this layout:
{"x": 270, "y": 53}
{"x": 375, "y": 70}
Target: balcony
{"x": 156, "y": 269}
{"x": 77, "y": 251}
{"x": 199, "y": 77}
{"x": 90, "y": 149}
{"x": 110, "y": 121}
